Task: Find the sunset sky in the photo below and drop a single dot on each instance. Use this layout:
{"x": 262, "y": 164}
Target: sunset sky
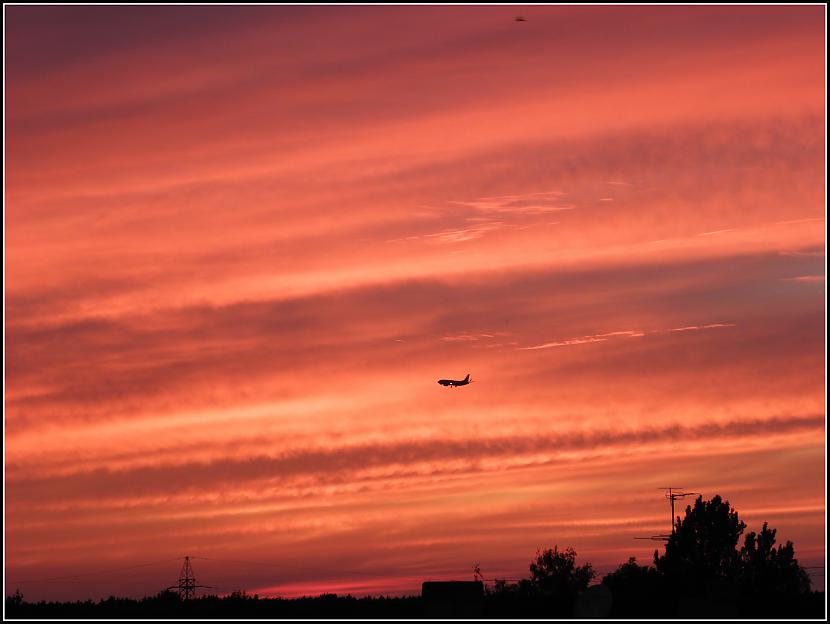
{"x": 243, "y": 243}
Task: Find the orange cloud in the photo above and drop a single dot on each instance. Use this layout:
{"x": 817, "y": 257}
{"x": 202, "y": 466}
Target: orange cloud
{"x": 244, "y": 243}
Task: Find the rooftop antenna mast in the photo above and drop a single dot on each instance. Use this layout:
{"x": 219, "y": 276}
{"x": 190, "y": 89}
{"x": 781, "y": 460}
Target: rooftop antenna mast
{"x": 672, "y": 494}
{"x": 187, "y": 582}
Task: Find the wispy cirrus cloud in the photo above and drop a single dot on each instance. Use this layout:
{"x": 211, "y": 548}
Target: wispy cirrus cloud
{"x": 695, "y": 327}
{"x": 805, "y": 278}
{"x": 522, "y": 204}
{"x": 627, "y": 333}
{"x": 432, "y": 451}
{"x": 485, "y": 215}
{"x": 806, "y": 253}
{"x": 463, "y": 234}
{"x": 564, "y": 343}
{"x": 470, "y": 337}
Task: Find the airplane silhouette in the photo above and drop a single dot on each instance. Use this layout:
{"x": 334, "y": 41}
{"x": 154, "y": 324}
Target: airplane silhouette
{"x": 519, "y": 18}
{"x": 452, "y": 383}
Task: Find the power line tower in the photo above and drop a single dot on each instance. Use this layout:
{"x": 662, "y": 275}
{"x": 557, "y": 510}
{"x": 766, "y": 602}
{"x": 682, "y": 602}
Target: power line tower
{"x": 187, "y": 582}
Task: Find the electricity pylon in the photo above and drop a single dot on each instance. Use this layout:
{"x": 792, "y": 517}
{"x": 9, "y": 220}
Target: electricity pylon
{"x": 187, "y": 582}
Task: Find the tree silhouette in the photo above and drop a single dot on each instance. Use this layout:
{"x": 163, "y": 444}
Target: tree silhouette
{"x": 707, "y": 575}
{"x": 555, "y": 576}
{"x": 15, "y": 600}
{"x": 701, "y": 554}
{"x": 637, "y": 590}
{"x": 769, "y": 575}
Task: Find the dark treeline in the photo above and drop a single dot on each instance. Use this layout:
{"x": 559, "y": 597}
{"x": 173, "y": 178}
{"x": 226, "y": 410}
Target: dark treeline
{"x": 701, "y": 574}
{"x": 167, "y": 605}
{"x": 705, "y": 571}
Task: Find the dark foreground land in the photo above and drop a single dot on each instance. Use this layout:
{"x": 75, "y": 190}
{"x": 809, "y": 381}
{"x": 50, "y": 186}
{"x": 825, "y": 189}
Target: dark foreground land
{"x": 702, "y": 573}
{"x": 169, "y": 606}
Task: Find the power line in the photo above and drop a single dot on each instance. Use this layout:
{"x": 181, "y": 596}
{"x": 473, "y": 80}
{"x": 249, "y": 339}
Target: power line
{"x": 82, "y": 574}
{"x": 260, "y": 563}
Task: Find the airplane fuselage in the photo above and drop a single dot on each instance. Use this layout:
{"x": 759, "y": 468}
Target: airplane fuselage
{"x": 452, "y": 383}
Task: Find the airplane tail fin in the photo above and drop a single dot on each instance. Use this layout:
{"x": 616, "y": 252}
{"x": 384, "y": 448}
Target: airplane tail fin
{"x": 467, "y": 378}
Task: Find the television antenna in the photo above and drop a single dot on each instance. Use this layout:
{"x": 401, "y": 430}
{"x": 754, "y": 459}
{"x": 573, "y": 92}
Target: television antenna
{"x": 672, "y": 494}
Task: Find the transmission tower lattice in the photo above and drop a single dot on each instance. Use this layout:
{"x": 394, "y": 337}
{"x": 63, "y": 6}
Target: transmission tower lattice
{"x": 187, "y": 582}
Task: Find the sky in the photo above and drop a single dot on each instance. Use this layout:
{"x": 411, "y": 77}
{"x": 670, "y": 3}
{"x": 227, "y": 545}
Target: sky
{"x": 243, "y": 243}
